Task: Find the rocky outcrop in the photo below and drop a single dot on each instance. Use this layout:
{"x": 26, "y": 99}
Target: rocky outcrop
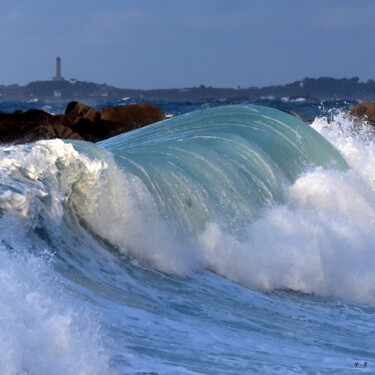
{"x": 133, "y": 115}
{"x": 79, "y": 122}
{"x": 80, "y": 110}
{"x": 363, "y": 112}
{"x": 33, "y": 125}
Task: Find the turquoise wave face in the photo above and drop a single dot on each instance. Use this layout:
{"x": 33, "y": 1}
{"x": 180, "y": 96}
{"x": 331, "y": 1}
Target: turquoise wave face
{"x": 224, "y": 163}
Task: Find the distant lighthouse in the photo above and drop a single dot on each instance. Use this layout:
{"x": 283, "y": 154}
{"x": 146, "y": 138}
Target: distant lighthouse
{"x": 58, "y": 70}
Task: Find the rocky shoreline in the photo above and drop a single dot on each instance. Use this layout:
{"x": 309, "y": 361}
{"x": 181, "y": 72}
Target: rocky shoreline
{"x": 79, "y": 122}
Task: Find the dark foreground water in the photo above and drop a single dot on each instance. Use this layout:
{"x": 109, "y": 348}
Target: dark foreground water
{"x": 236, "y": 239}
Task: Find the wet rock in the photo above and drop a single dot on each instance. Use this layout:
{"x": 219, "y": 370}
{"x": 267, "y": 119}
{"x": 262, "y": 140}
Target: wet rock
{"x": 79, "y": 122}
{"x": 80, "y": 110}
{"x": 133, "y": 116}
{"x": 62, "y": 132}
{"x": 363, "y": 112}
{"x": 36, "y": 133}
{"x": 23, "y": 127}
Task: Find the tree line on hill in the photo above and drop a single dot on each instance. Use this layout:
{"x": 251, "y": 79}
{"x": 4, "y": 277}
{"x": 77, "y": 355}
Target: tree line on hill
{"x": 324, "y": 88}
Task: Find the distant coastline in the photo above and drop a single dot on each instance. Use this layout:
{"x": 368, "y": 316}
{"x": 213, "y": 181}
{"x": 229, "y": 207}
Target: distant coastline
{"x": 324, "y": 88}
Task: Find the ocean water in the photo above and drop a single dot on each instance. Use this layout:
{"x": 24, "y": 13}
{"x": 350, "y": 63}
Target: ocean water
{"x": 228, "y": 239}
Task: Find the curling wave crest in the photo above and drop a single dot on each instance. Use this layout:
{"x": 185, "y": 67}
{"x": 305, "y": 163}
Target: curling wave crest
{"x": 248, "y": 192}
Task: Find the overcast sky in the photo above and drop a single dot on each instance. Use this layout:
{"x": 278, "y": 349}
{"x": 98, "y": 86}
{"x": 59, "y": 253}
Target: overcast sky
{"x": 182, "y": 43}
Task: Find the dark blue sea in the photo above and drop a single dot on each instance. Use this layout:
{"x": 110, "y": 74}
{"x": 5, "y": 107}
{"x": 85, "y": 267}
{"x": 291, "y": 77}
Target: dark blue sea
{"x": 231, "y": 238}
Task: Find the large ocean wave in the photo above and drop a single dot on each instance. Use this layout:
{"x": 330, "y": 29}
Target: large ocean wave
{"x": 250, "y": 193}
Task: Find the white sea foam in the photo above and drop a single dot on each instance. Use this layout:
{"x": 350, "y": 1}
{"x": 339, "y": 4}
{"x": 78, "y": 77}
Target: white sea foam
{"x": 43, "y": 329}
{"x": 321, "y": 240}
{"x": 120, "y": 209}
{"x": 41, "y": 179}
{"x": 356, "y": 144}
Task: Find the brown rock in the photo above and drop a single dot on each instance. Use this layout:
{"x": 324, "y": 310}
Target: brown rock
{"x": 33, "y": 125}
{"x": 80, "y": 122}
{"x": 23, "y": 125}
{"x": 363, "y": 112}
{"x": 36, "y": 133}
{"x": 90, "y": 131}
{"x": 62, "y": 131}
{"x": 76, "y": 109}
{"x": 33, "y": 115}
{"x": 76, "y": 136}
{"x": 133, "y": 116}
{"x": 99, "y": 130}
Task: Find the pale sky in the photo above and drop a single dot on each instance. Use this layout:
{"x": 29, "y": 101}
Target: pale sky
{"x": 150, "y": 44}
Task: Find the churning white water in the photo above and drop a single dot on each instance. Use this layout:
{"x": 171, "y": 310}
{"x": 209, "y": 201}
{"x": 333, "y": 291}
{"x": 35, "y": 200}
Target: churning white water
{"x": 203, "y": 251}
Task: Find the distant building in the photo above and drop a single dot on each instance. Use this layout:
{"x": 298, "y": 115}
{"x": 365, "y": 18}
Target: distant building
{"x": 58, "y": 71}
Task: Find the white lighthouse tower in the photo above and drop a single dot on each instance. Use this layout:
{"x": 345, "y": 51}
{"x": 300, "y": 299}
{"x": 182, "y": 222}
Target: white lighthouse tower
{"x": 58, "y": 70}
